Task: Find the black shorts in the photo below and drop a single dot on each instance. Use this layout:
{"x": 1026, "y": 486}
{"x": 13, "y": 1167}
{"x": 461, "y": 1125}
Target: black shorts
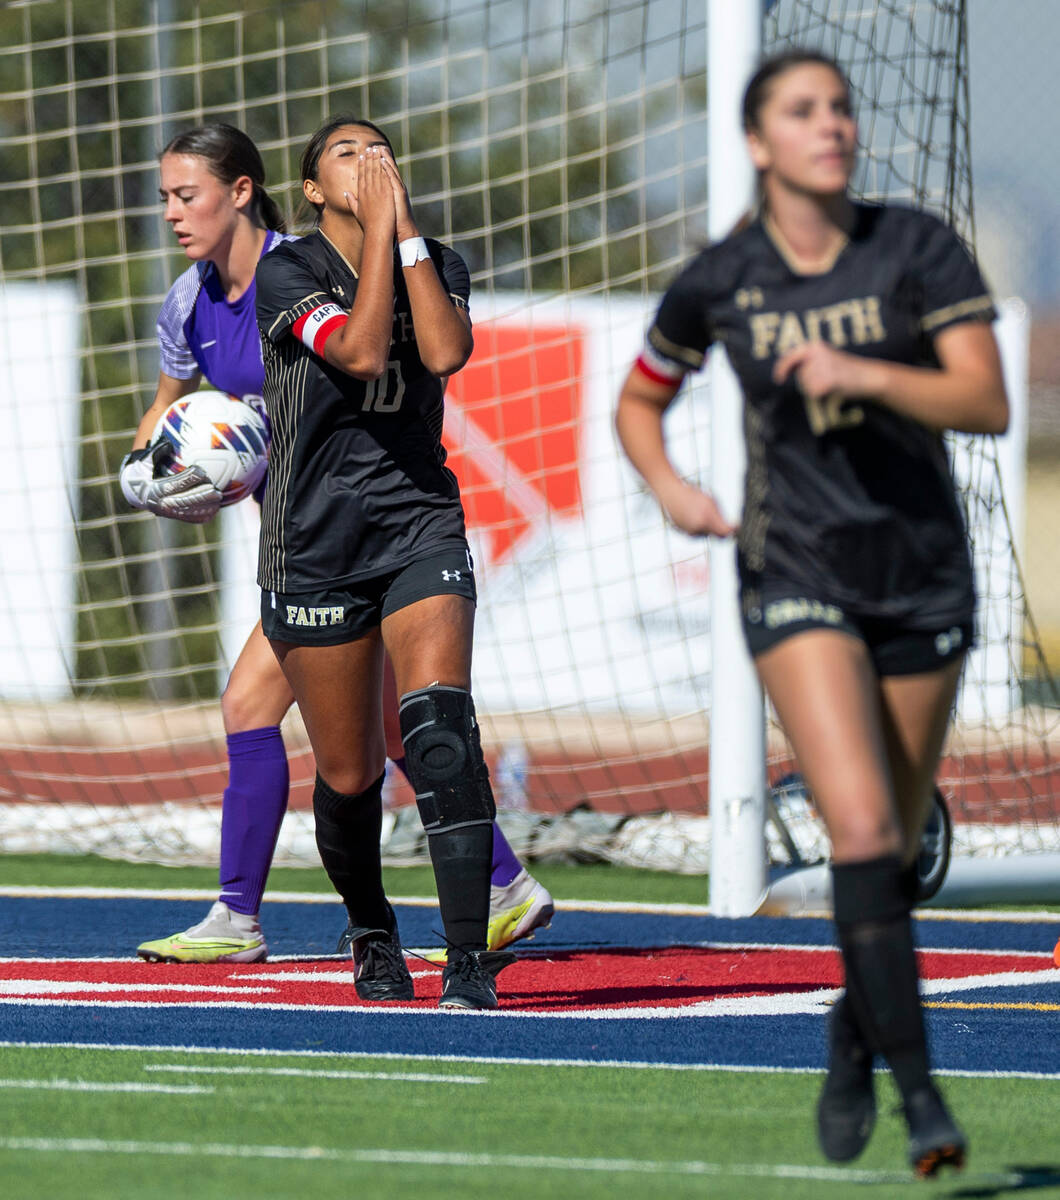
{"x": 344, "y": 614}
{"x": 894, "y": 648}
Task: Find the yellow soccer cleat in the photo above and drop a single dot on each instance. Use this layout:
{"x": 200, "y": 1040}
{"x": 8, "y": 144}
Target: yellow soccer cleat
{"x": 517, "y": 910}
{"x": 223, "y": 937}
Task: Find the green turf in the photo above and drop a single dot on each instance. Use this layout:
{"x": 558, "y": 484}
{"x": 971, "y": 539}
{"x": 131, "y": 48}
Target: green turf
{"x": 586, "y": 882}
{"x": 544, "y": 1131}
{"x": 590, "y": 881}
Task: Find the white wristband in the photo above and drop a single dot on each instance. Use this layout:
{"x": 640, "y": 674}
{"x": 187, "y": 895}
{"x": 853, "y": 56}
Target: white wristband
{"x": 412, "y": 250}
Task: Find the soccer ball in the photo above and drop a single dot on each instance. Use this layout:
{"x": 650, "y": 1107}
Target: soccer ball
{"x": 224, "y": 436}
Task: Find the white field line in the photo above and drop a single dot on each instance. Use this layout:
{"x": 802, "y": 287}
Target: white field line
{"x": 29, "y": 992}
{"x": 308, "y": 1073}
{"x": 481, "y": 1059}
{"x": 36, "y": 987}
{"x": 340, "y": 977}
{"x": 1003, "y": 979}
{"x": 463, "y": 1161}
{"x": 81, "y": 1085}
{"x": 969, "y": 915}
{"x": 34, "y": 891}
{"x": 533, "y": 953}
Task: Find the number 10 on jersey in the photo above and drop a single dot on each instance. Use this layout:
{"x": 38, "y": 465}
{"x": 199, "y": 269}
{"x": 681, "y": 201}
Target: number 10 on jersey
{"x": 384, "y": 395}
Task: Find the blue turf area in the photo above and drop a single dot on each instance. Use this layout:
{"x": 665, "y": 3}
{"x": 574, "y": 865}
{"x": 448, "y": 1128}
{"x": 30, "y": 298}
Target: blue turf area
{"x": 107, "y": 928}
{"x": 990, "y": 1026}
{"x": 997, "y": 1043}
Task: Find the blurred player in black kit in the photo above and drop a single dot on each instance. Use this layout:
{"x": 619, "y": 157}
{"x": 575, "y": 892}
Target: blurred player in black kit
{"x": 859, "y": 333}
{"x": 363, "y": 546}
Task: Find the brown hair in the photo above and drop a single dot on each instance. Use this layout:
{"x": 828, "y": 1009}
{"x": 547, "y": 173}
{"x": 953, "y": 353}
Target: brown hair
{"x": 770, "y": 69}
{"x": 230, "y": 154}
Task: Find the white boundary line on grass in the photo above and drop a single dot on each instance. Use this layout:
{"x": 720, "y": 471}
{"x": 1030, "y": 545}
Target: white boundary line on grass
{"x": 83, "y": 1085}
{"x": 486, "y": 1060}
{"x": 464, "y": 1161}
{"x": 603, "y": 906}
{"x": 308, "y": 1073}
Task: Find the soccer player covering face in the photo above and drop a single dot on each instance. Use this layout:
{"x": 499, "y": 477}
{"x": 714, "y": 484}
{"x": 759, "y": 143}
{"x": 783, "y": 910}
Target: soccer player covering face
{"x": 212, "y": 187}
{"x": 363, "y": 548}
{"x": 859, "y": 333}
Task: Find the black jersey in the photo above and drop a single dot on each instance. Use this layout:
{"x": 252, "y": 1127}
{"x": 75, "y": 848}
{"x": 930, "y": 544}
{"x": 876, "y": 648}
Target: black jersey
{"x": 357, "y": 478}
{"x": 847, "y": 501}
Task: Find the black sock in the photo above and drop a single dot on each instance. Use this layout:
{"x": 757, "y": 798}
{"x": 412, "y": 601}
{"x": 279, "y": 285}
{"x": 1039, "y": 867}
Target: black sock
{"x": 462, "y": 859}
{"x": 911, "y": 882}
{"x": 348, "y": 830}
{"x": 872, "y": 905}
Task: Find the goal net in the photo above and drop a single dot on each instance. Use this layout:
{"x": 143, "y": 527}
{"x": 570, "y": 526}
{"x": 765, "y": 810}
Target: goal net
{"x": 561, "y": 148}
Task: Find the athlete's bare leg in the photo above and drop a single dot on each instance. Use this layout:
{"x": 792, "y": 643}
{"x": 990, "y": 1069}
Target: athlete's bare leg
{"x": 827, "y": 696}
{"x": 338, "y": 689}
{"x": 868, "y": 748}
{"x": 391, "y": 723}
{"x": 257, "y": 693}
{"x": 916, "y": 710}
{"x": 430, "y": 642}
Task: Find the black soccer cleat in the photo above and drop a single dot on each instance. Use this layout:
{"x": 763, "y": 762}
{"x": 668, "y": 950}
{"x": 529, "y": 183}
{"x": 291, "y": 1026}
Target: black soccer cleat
{"x": 846, "y": 1109}
{"x": 379, "y": 968}
{"x": 934, "y": 1139}
{"x": 469, "y": 980}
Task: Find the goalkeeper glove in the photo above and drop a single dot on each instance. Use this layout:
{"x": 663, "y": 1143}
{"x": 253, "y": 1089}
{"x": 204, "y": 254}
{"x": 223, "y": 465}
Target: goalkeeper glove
{"x": 188, "y": 495}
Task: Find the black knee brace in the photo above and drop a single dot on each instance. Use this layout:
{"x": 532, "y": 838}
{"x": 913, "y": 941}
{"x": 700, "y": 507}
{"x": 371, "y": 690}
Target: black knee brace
{"x": 443, "y": 756}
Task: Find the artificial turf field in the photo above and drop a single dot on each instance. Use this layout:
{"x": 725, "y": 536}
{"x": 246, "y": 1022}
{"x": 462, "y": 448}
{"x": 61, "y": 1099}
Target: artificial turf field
{"x": 641, "y": 1044}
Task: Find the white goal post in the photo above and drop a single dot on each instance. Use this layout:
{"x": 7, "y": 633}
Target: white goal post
{"x": 738, "y": 864}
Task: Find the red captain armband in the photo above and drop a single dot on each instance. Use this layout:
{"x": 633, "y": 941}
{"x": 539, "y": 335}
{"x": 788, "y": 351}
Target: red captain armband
{"x": 659, "y": 369}
{"x": 317, "y": 326}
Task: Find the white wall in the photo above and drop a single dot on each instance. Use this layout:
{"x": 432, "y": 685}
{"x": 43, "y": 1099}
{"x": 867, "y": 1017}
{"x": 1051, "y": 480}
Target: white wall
{"x": 39, "y": 429}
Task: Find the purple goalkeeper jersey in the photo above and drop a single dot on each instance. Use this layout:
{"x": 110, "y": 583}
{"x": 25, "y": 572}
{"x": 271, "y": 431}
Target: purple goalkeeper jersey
{"x": 200, "y": 331}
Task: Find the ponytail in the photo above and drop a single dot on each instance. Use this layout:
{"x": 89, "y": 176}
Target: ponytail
{"x": 268, "y": 210}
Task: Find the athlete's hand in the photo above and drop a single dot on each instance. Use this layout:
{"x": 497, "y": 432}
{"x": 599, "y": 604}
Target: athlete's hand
{"x": 405, "y": 223}
{"x": 693, "y": 511}
{"x": 189, "y": 495}
{"x": 821, "y": 370}
{"x": 371, "y": 197}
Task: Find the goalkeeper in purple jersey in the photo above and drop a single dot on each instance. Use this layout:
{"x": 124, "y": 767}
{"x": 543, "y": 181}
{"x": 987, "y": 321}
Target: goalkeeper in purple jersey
{"x": 859, "y": 334}
{"x": 212, "y": 186}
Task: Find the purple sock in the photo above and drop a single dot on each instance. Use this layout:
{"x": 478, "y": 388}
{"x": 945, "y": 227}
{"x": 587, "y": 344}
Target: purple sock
{"x": 505, "y": 865}
{"x": 251, "y": 811}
